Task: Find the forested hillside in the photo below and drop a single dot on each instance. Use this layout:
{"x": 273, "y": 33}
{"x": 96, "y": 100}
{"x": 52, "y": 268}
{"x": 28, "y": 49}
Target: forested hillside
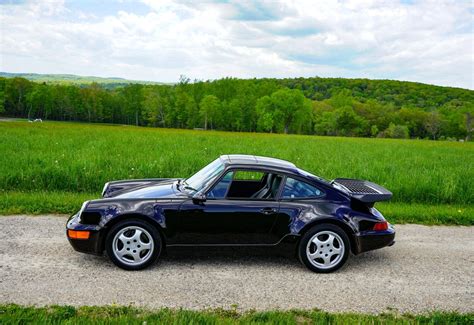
{"x": 323, "y": 106}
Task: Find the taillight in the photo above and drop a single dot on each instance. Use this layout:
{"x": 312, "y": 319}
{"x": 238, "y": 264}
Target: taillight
{"x": 78, "y": 234}
{"x": 381, "y": 226}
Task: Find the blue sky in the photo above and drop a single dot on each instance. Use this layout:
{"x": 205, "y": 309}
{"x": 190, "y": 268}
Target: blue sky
{"x": 425, "y": 41}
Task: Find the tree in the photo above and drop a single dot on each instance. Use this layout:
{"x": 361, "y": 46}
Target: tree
{"x": 16, "y": 90}
{"x": 374, "y": 130}
{"x": 396, "y": 131}
{"x": 39, "y": 101}
{"x": 236, "y": 114}
{"x": 326, "y": 123}
{"x": 433, "y": 124}
{"x": 286, "y": 104}
{"x": 153, "y": 111}
{"x": 132, "y": 98}
{"x": 192, "y": 111}
{"x": 265, "y": 114}
{"x": 469, "y": 125}
{"x": 348, "y": 123}
{"x": 208, "y": 109}
{"x": 2, "y": 101}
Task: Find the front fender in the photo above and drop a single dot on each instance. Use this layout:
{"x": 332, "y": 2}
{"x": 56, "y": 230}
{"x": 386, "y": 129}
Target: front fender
{"x": 101, "y": 215}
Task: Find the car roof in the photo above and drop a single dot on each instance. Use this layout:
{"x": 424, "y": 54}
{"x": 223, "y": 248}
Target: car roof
{"x": 257, "y": 161}
{"x": 268, "y": 162}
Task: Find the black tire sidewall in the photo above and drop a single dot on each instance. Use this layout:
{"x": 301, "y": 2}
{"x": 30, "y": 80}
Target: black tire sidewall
{"x": 310, "y": 233}
{"x": 158, "y": 243}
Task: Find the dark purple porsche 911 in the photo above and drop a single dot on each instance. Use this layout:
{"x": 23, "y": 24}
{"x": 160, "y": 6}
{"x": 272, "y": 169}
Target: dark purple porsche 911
{"x": 236, "y": 200}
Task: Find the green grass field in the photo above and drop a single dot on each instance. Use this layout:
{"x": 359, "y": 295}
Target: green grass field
{"x": 53, "y": 166}
{"x": 14, "y": 314}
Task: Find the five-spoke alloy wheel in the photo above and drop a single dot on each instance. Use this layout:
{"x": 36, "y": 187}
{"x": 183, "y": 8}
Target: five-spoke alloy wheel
{"x": 133, "y": 244}
{"x": 324, "y": 248}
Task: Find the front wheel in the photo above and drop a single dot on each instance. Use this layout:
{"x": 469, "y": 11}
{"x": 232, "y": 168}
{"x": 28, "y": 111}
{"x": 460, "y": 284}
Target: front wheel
{"x": 133, "y": 244}
{"x": 324, "y": 248}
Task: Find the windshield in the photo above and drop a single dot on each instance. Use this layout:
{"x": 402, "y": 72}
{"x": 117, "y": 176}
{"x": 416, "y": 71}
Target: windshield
{"x": 203, "y": 177}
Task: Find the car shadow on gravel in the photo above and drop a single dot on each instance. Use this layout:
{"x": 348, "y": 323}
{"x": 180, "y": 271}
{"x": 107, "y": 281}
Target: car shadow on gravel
{"x": 281, "y": 256}
{"x": 228, "y": 254}
{"x": 258, "y": 256}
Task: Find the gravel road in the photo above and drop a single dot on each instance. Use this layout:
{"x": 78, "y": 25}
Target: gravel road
{"x": 428, "y": 268}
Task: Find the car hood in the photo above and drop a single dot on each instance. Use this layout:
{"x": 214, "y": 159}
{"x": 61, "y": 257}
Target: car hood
{"x": 162, "y": 189}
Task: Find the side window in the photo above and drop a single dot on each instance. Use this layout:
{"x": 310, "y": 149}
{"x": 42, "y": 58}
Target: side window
{"x": 220, "y": 189}
{"x": 247, "y": 175}
{"x": 295, "y": 189}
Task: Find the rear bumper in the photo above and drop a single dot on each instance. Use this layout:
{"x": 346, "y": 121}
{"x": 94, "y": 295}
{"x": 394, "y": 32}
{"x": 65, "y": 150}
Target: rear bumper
{"x": 370, "y": 240}
{"x": 89, "y": 246}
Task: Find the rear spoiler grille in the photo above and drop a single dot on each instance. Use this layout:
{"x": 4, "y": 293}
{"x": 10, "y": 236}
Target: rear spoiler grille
{"x": 363, "y": 191}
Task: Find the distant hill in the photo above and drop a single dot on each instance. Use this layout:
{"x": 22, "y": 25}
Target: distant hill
{"x": 111, "y": 82}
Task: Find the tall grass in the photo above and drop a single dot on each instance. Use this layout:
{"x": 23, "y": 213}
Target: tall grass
{"x": 75, "y": 157}
{"x": 14, "y": 314}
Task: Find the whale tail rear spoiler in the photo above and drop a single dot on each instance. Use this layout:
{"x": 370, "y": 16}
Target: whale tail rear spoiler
{"x": 363, "y": 191}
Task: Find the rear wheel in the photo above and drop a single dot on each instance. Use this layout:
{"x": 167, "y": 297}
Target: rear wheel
{"x": 324, "y": 248}
{"x": 133, "y": 244}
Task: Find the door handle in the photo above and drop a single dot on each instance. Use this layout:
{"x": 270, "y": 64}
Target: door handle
{"x": 268, "y": 210}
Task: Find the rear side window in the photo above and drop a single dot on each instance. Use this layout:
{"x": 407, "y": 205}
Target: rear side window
{"x": 296, "y": 189}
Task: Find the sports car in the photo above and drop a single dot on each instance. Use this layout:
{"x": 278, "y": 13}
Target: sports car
{"x": 236, "y": 200}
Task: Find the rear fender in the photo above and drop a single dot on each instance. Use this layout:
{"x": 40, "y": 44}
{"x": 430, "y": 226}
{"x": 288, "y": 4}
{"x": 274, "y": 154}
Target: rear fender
{"x": 339, "y": 217}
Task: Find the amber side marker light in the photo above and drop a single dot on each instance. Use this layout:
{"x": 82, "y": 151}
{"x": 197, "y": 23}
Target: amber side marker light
{"x": 78, "y": 234}
{"x": 381, "y": 226}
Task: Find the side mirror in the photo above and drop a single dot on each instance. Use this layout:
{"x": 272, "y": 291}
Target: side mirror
{"x": 199, "y": 198}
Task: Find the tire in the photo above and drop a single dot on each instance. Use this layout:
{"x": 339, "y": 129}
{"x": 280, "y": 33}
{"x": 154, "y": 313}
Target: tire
{"x": 332, "y": 251}
{"x": 133, "y": 244}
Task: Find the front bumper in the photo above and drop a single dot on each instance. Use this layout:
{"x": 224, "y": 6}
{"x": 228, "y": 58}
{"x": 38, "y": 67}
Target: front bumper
{"x": 93, "y": 245}
{"x": 370, "y": 240}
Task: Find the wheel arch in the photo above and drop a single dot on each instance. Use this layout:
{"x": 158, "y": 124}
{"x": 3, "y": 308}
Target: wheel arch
{"x": 346, "y": 228}
{"x": 128, "y": 216}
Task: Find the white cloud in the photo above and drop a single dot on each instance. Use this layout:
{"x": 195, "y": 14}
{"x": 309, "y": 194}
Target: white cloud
{"x": 426, "y": 41}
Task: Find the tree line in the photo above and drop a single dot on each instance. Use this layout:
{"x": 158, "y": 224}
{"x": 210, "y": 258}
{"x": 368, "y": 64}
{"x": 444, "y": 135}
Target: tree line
{"x": 322, "y": 106}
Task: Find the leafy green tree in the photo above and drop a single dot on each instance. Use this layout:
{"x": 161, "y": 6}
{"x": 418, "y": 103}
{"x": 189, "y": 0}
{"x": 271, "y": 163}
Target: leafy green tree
{"x": 132, "y": 99}
{"x": 326, "y": 124}
{"x": 348, "y": 123}
{"x": 16, "y": 91}
{"x": 2, "y": 101}
{"x": 374, "y": 130}
{"x": 192, "y": 111}
{"x": 396, "y": 131}
{"x": 209, "y": 109}
{"x": 264, "y": 111}
{"x": 286, "y": 104}
{"x": 433, "y": 124}
{"x": 415, "y": 119}
{"x": 152, "y": 106}
{"x": 235, "y": 115}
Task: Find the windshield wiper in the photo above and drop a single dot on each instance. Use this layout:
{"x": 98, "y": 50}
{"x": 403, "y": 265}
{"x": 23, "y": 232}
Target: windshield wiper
{"x": 187, "y": 187}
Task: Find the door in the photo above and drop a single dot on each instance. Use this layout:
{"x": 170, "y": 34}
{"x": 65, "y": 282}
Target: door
{"x": 227, "y": 220}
